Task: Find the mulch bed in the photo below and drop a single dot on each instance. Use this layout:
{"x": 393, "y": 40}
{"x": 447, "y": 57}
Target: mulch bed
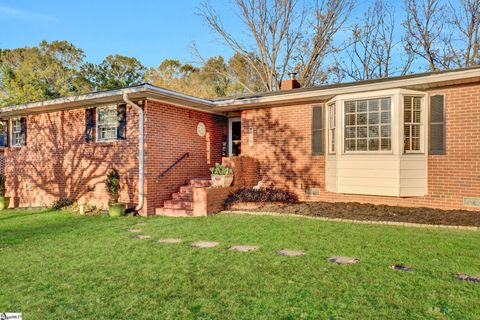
{"x": 369, "y": 212}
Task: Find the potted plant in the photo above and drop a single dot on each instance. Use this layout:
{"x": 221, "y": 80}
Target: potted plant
{"x": 115, "y": 208}
{"x": 4, "y": 201}
{"x": 221, "y": 176}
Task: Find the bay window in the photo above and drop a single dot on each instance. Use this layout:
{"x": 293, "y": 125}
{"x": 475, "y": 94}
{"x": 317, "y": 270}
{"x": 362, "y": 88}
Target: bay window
{"x": 368, "y": 125}
{"x": 412, "y": 122}
{"x": 332, "y": 119}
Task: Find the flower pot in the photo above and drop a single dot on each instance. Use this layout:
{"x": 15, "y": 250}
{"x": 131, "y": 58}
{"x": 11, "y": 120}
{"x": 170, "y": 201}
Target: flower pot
{"x": 221, "y": 181}
{"x": 116, "y": 209}
{"x": 4, "y": 202}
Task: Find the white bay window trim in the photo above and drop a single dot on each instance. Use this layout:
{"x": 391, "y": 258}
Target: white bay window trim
{"x": 412, "y": 121}
{"x": 16, "y": 134}
{"x": 107, "y": 123}
{"x": 332, "y": 126}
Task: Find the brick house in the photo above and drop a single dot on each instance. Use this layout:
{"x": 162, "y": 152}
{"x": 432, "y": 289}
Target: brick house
{"x": 409, "y": 141}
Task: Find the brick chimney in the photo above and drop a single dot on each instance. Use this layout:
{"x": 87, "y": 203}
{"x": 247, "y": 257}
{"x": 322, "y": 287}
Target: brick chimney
{"x": 291, "y": 83}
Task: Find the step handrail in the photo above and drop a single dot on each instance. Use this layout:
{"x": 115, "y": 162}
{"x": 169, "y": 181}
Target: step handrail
{"x": 185, "y": 155}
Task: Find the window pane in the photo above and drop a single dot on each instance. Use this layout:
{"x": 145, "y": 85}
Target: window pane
{"x": 373, "y": 145}
{"x": 361, "y": 132}
{"x": 386, "y": 145}
{"x": 361, "y": 118}
{"x": 373, "y": 118}
{"x": 350, "y": 145}
{"x": 362, "y": 106}
{"x": 350, "y": 107}
{"x": 362, "y": 145}
{"x": 363, "y": 123}
{"x": 350, "y": 132}
{"x": 350, "y": 119}
{"x": 373, "y": 132}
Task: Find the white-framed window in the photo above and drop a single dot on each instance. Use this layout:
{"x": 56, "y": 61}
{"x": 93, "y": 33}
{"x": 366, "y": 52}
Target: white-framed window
{"x": 412, "y": 124}
{"x": 107, "y": 123}
{"x": 368, "y": 125}
{"x": 332, "y": 124}
{"x": 16, "y": 132}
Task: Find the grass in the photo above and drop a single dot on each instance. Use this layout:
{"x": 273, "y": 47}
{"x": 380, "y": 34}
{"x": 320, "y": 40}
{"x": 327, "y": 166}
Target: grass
{"x": 58, "y": 265}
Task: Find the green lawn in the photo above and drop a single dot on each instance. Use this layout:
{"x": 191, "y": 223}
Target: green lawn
{"x": 56, "y": 265}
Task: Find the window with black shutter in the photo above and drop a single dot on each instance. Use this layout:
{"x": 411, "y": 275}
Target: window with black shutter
{"x": 317, "y": 131}
{"x": 89, "y": 124}
{"x": 122, "y": 122}
{"x": 3, "y": 133}
{"x": 437, "y": 125}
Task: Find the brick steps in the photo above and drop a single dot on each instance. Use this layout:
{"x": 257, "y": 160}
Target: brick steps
{"x": 181, "y": 202}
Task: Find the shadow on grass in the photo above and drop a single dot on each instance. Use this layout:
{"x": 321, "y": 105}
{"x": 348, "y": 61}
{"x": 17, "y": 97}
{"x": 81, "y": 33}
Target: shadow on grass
{"x": 14, "y": 214}
{"x": 48, "y": 229}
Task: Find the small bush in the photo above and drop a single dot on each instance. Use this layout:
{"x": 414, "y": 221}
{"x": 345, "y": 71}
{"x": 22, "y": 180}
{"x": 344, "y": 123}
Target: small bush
{"x": 62, "y": 203}
{"x": 113, "y": 181}
{"x": 221, "y": 170}
{"x": 2, "y": 185}
{"x": 261, "y": 195}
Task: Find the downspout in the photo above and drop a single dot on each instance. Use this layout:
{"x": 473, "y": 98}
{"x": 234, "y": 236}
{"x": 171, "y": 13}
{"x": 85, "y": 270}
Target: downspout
{"x": 140, "y": 151}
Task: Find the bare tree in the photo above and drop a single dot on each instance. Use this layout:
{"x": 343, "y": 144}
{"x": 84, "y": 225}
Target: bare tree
{"x": 277, "y": 41}
{"x": 329, "y": 16}
{"x": 466, "y": 21}
{"x": 427, "y": 33}
{"x": 372, "y": 50}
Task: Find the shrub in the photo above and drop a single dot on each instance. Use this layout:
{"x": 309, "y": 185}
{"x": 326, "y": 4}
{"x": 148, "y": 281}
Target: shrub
{"x": 62, "y": 203}
{"x": 220, "y": 170}
{"x": 261, "y": 195}
{"x": 2, "y": 185}
{"x": 113, "y": 181}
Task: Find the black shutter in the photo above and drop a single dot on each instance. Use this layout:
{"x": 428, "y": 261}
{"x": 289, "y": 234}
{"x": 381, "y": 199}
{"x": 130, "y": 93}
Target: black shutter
{"x": 437, "y": 125}
{"x": 23, "y": 131}
{"x": 122, "y": 122}
{"x": 317, "y": 131}
{"x": 89, "y": 124}
{"x": 4, "y": 134}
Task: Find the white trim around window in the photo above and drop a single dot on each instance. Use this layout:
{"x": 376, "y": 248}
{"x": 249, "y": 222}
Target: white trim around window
{"x": 332, "y": 127}
{"x": 413, "y": 124}
{"x": 106, "y": 123}
{"x": 16, "y": 132}
{"x": 368, "y": 125}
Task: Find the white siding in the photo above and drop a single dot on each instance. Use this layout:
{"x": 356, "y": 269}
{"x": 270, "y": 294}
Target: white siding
{"x": 413, "y": 175}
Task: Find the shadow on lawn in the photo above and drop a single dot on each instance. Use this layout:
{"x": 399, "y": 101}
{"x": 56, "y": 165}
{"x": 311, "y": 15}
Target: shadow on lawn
{"x": 45, "y": 229}
{"x": 24, "y": 213}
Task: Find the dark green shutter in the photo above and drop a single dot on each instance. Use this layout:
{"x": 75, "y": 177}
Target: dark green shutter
{"x": 89, "y": 124}
{"x": 23, "y": 131}
{"x": 122, "y": 122}
{"x": 437, "y": 125}
{"x": 317, "y": 131}
{"x": 4, "y": 134}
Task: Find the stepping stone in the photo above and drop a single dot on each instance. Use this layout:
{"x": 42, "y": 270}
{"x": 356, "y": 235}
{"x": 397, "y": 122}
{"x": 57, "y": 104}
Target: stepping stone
{"x": 142, "y": 237}
{"x": 343, "y": 260}
{"x": 204, "y": 244}
{"x": 243, "y": 248}
{"x": 464, "y": 277}
{"x": 170, "y": 241}
{"x": 291, "y": 253}
{"x": 135, "y": 230}
{"x": 401, "y": 267}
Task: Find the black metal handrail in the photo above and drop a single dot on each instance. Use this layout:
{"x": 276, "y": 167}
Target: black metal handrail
{"x": 185, "y": 155}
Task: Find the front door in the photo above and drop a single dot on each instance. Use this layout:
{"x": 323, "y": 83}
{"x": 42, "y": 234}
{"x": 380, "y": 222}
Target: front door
{"x": 234, "y": 136}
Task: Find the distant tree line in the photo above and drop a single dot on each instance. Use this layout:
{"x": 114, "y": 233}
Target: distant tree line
{"x": 317, "y": 39}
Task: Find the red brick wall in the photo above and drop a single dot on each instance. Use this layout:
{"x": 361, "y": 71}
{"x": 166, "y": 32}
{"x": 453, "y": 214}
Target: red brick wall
{"x": 57, "y": 162}
{"x": 169, "y": 133}
{"x": 282, "y": 144}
